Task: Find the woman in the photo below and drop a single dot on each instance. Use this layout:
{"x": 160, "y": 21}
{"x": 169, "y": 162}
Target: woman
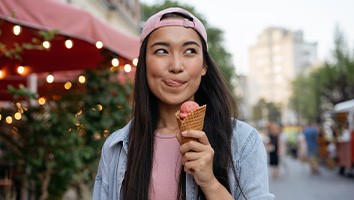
{"x": 147, "y": 160}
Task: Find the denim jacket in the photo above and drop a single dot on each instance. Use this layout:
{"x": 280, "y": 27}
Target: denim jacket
{"x": 249, "y": 157}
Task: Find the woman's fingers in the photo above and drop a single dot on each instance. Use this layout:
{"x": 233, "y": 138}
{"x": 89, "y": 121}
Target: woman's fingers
{"x": 198, "y": 135}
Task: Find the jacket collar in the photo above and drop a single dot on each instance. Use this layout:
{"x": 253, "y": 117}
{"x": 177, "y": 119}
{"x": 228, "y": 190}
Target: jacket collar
{"x": 121, "y": 135}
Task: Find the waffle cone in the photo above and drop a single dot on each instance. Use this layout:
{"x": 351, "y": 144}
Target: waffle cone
{"x": 193, "y": 121}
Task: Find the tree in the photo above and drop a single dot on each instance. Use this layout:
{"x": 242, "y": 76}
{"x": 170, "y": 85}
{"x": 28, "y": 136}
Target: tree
{"x": 266, "y": 112}
{"x": 56, "y": 145}
{"x": 305, "y": 98}
{"x": 215, "y": 38}
{"x": 333, "y": 82}
{"x": 336, "y": 77}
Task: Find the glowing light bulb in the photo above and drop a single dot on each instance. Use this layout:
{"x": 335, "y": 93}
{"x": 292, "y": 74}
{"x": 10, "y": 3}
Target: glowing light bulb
{"x": 17, "y": 29}
{"x": 2, "y": 74}
{"x": 99, "y": 45}
{"x": 115, "y": 62}
{"x": 99, "y": 107}
{"x": 20, "y": 69}
{"x": 127, "y": 68}
{"x": 67, "y": 85}
{"x": 50, "y": 78}
{"x": 18, "y": 116}
{"x": 82, "y": 79}
{"x": 135, "y": 61}
{"x": 46, "y": 44}
{"x": 8, "y": 119}
{"x": 41, "y": 101}
{"x": 69, "y": 44}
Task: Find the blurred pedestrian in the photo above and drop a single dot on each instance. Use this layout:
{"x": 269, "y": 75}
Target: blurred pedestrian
{"x": 274, "y": 147}
{"x": 283, "y": 149}
{"x": 322, "y": 147}
{"x": 301, "y": 147}
{"x": 311, "y": 133}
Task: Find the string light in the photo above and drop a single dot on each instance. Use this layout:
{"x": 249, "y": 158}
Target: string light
{"x": 97, "y": 136}
{"x": 8, "y": 119}
{"x": 17, "y": 30}
{"x": 17, "y": 116}
{"x": 2, "y": 74}
{"x": 67, "y": 85}
{"x": 20, "y": 70}
{"x": 115, "y": 62}
{"x": 99, "y": 45}
{"x": 50, "y": 78}
{"x": 127, "y": 68}
{"x": 82, "y": 79}
{"x": 41, "y": 101}
{"x": 135, "y": 62}
{"x": 69, "y": 44}
{"x": 46, "y": 44}
{"x": 99, "y": 107}
{"x": 105, "y": 133}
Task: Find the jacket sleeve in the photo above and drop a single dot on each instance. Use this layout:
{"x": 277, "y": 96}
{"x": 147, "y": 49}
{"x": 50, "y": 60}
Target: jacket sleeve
{"x": 100, "y": 190}
{"x": 252, "y": 168}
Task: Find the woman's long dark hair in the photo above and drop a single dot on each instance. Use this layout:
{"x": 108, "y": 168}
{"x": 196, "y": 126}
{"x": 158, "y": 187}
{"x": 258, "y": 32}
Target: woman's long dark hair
{"x": 218, "y": 125}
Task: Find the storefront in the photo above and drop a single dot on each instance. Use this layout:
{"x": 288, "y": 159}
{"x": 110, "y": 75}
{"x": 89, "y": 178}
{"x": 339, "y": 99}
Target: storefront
{"x": 344, "y": 135}
{"x": 47, "y": 37}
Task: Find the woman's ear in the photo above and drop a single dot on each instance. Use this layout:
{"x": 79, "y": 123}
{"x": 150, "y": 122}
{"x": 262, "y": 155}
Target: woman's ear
{"x": 205, "y": 69}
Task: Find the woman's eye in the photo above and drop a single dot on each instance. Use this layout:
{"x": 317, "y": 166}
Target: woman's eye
{"x": 191, "y": 51}
{"x": 160, "y": 51}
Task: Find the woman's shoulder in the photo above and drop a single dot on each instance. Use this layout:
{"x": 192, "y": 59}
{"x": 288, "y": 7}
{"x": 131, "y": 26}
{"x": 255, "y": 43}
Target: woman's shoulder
{"x": 243, "y": 130}
{"x": 120, "y": 135}
{"x": 245, "y": 136}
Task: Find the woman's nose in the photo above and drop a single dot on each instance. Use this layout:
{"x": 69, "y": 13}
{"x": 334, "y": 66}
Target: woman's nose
{"x": 176, "y": 65}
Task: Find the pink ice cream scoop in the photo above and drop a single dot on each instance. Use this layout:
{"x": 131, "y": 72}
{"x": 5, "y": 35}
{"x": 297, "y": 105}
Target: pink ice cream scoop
{"x": 187, "y": 107}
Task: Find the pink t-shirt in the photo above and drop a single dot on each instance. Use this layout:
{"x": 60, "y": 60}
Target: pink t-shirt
{"x": 166, "y": 168}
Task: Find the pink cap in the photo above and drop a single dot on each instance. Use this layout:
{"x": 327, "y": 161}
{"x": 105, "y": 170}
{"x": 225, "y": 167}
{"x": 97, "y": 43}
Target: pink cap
{"x": 155, "y": 22}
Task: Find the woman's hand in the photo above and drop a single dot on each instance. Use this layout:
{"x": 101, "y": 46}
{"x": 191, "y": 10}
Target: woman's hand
{"x": 197, "y": 157}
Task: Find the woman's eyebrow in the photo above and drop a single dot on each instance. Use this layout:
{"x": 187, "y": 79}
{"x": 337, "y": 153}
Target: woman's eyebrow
{"x": 168, "y": 44}
{"x": 191, "y": 43}
{"x": 160, "y": 44}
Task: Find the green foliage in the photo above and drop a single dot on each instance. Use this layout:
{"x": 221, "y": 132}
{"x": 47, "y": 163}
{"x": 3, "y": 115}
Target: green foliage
{"x": 21, "y": 92}
{"x": 215, "y": 38}
{"x": 58, "y": 144}
{"x": 105, "y": 108}
{"x": 48, "y": 35}
{"x": 268, "y": 111}
{"x": 17, "y": 50}
{"x": 333, "y": 82}
{"x": 39, "y": 144}
{"x": 304, "y": 99}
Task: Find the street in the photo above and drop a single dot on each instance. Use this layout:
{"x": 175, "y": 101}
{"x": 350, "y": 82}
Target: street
{"x": 297, "y": 183}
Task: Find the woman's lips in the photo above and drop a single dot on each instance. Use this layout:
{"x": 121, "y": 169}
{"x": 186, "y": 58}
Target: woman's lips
{"x": 173, "y": 83}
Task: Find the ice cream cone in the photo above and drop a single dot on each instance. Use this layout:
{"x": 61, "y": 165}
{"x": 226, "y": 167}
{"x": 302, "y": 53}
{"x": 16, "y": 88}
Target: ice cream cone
{"x": 193, "y": 121}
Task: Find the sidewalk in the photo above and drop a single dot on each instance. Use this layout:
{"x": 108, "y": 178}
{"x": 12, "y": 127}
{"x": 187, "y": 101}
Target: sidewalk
{"x": 298, "y": 184}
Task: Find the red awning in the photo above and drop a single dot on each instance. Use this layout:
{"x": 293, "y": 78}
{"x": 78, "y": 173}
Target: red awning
{"x": 69, "y": 23}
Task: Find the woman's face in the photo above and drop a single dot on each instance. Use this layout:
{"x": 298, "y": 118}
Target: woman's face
{"x": 174, "y": 64}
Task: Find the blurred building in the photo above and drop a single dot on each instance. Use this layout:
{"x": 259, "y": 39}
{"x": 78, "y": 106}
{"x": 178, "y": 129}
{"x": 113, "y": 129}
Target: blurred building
{"x": 123, "y": 15}
{"x": 274, "y": 61}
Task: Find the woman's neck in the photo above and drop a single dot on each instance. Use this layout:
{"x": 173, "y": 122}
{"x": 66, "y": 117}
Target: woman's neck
{"x": 167, "y": 123}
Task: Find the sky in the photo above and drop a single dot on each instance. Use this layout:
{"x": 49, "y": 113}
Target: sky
{"x": 242, "y": 22}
